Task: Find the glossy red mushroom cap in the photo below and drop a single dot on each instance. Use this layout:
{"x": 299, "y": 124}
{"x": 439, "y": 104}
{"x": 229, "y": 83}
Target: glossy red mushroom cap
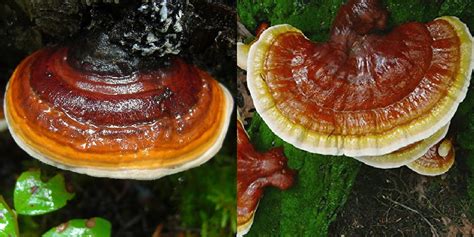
{"x": 364, "y": 92}
{"x": 255, "y": 171}
{"x": 141, "y": 125}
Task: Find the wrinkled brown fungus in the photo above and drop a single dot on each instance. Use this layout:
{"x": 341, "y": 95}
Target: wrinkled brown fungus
{"x": 365, "y": 92}
{"x": 255, "y": 171}
{"x": 437, "y": 160}
{"x": 126, "y": 110}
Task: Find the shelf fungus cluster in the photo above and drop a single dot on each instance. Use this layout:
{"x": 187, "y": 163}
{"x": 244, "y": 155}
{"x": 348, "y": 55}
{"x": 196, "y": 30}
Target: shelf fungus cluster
{"x": 383, "y": 96}
{"x": 255, "y": 171}
{"x": 102, "y": 109}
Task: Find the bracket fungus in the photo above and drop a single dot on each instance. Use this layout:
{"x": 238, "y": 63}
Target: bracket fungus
{"x": 256, "y": 171}
{"x": 115, "y": 110}
{"x": 436, "y": 161}
{"x": 406, "y": 154}
{"x": 382, "y": 95}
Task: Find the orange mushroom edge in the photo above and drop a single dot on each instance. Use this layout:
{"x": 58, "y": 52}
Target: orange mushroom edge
{"x": 142, "y": 125}
{"x": 382, "y": 96}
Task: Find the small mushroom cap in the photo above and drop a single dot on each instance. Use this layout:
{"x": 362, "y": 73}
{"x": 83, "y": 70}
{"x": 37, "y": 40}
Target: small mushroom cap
{"x": 405, "y": 155}
{"x": 437, "y": 160}
{"x": 322, "y": 99}
{"x": 255, "y": 171}
{"x": 140, "y": 126}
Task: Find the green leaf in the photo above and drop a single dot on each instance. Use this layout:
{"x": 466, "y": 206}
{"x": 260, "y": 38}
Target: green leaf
{"x": 8, "y": 222}
{"x": 94, "y": 227}
{"x": 32, "y": 196}
{"x": 321, "y": 189}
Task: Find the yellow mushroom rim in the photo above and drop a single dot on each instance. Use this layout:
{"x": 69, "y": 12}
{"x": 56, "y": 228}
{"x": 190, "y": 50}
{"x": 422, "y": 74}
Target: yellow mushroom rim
{"x": 346, "y": 143}
{"x": 438, "y": 160}
{"x": 151, "y": 150}
{"x": 244, "y": 223}
{"x": 405, "y": 155}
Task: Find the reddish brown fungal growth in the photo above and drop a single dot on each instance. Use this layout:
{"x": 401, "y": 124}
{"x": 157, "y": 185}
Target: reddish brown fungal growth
{"x": 255, "y": 171}
{"x": 144, "y": 124}
{"x": 436, "y": 161}
{"x": 364, "y": 92}
{"x": 262, "y": 27}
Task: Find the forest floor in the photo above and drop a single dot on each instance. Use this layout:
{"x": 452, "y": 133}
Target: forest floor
{"x": 399, "y": 202}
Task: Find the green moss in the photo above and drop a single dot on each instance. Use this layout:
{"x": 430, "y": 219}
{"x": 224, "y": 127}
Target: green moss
{"x": 412, "y": 10}
{"x": 315, "y": 17}
{"x": 470, "y": 183}
{"x": 462, "y": 125}
{"x": 463, "y": 122}
{"x": 320, "y": 190}
{"x": 464, "y": 9}
{"x": 207, "y": 196}
{"x": 312, "y": 17}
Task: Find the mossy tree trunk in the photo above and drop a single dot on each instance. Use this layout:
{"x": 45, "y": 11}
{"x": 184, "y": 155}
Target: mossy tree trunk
{"x": 321, "y": 189}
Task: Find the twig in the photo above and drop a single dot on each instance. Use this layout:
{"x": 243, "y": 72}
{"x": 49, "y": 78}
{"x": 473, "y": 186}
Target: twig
{"x": 433, "y": 229}
{"x": 242, "y": 32}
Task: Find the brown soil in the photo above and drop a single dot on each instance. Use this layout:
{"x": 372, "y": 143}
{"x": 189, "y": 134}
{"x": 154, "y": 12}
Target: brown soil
{"x": 399, "y": 202}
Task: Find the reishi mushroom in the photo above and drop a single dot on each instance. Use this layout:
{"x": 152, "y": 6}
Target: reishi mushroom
{"x": 91, "y": 108}
{"x": 436, "y": 161}
{"x": 255, "y": 171}
{"x": 384, "y": 98}
{"x": 406, "y": 154}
